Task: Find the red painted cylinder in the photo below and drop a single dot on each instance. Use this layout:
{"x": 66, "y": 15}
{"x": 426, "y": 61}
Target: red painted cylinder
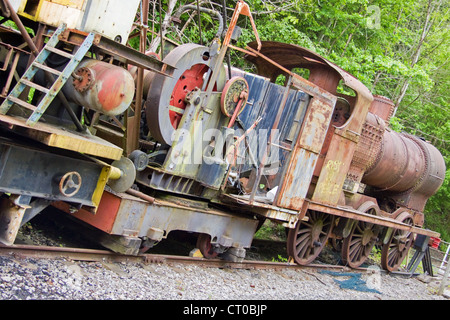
{"x": 101, "y": 86}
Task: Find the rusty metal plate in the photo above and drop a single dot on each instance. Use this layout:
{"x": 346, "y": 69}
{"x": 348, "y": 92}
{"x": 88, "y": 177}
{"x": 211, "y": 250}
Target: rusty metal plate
{"x": 316, "y": 125}
{"x": 125, "y": 215}
{"x": 334, "y": 170}
{"x": 303, "y": 160}
{"x": 296, "y": 184}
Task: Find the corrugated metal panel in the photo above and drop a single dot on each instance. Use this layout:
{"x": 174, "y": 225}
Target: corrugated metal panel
{"x": 264, "y": 101}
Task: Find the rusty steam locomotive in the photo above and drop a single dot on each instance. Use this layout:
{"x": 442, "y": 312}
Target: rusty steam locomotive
{"x": 137, "y": 146}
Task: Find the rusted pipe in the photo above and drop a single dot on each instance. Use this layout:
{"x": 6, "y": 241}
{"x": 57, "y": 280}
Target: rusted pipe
{"x": 133, "y": 131}
{"x": 141, "y": 195}
{"x": 5, "y": 10}
{"x": 22, "y": 29}
{"x": 404, "y": 164}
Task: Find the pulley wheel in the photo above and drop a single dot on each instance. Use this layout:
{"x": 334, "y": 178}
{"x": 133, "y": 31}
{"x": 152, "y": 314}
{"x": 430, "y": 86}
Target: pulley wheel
{"x": 166, "y": 101}
{"x": 127, "y": 178}
{"x": 235, "y": 90}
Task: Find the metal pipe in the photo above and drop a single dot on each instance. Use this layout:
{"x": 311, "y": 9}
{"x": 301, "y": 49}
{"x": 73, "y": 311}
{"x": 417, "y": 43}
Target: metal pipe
{"x": 199, "y": 23}
{"x": 224, "y": 16}
{"x": 444, "y": 280}
{"x": 11, "y": 74}
{"x": 161, "y": 30}
{"x": 4, "y": 9}
{"x": 23, "y": 31}
{"x": 48, "y": 75}
{"x": 181, "y": 10}
{"x": 141, "y": 195}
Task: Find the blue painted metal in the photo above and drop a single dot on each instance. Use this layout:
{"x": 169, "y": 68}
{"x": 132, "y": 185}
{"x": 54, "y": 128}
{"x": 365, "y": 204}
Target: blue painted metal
{"x": 264, "y": 101}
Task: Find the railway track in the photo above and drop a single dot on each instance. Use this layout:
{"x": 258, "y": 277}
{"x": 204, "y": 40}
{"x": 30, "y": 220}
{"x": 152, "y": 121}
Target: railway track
{"x": 80, "y": 254}
{"x": 91, "y": 255}
{"x": 46, "y": 242}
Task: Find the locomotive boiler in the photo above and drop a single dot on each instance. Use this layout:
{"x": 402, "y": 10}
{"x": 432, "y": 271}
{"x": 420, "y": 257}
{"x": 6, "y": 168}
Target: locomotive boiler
{"x": 145, "y": 146}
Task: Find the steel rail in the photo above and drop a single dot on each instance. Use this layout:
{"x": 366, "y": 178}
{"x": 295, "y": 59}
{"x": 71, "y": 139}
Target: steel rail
{"x": 78, "y": 254}
{"x": 93, "y": 255}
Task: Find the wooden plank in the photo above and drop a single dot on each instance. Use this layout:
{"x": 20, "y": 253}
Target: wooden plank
{"x": 60, "y": 137}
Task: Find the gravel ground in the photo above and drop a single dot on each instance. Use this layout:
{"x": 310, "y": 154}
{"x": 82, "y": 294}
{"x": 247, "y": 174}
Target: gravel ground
{"x": 41, "y": 279}
{"x": 24, "y": 279}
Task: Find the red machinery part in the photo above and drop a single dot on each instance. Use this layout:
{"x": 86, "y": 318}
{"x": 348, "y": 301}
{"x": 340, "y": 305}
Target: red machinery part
{"x": 101, "y": 86}
{"x": 165, "y": 104}
{"x": 434, "y": 242}
{"x": 189, "y": 80}
{"x": 382, "y": 107}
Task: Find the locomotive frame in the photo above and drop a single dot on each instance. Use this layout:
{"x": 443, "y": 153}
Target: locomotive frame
{"x": 329, "y": 140}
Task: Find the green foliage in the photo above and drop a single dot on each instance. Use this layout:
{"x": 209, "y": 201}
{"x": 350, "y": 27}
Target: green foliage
{"x": 271, "y": 231}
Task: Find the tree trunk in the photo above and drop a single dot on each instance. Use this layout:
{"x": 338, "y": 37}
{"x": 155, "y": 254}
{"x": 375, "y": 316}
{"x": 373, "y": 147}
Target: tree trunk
{"x": 431, "y": 8}
{"x": 157, "y": 40}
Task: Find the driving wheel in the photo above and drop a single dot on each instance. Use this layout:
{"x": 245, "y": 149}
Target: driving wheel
{"x": 357, "y": 246}
{"x": 307, "y": 239}
{"x": 395, "y": 250}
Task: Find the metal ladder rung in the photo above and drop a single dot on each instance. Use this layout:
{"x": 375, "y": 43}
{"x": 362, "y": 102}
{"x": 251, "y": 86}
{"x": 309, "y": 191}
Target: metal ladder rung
{"x": 22, "y": 103}
{"x": 45, "y": 68}
{"x": 59, "y": 52}
{"x": 35, "y": 86}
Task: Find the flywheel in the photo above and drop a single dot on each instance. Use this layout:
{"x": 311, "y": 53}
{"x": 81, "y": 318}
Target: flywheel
{"x": 166, "y": 104}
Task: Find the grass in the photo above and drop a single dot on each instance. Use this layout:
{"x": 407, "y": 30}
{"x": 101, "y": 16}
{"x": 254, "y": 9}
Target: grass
{"x": 271, "y": 231}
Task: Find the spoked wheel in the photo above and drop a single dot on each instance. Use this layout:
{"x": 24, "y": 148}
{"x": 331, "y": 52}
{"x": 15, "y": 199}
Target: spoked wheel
{"x": 357, "y": 247}
{"x": 395, "y": 250}
{"x": 307, "y": 239}
{"x": 205, "y": 246}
